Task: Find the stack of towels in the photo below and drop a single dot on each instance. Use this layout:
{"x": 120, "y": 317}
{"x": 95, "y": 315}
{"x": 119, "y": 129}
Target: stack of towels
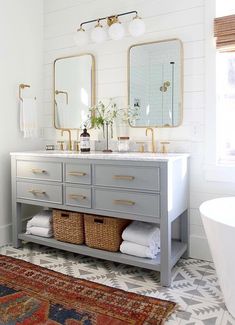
{"x": 141, "y": 239}
{"x": 40, "y": 224}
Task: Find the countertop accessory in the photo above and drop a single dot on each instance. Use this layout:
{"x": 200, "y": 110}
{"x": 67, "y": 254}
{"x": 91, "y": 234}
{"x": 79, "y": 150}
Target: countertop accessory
{"x": 123, "y": 144}
{"x": 50, "y": 147}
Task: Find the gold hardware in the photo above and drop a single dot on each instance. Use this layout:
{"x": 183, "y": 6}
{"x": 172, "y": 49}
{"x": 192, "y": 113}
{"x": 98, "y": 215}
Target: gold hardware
{"x": 153, "y": 140}
{"x": 37, "y": 192}
{"x": 165, "y": 86}
{"x": 70, "y": 138}
{"x": 61, "y": 145}
{"x": 38, "y": 171}
{"x": 141, "y": 146}
{"x": 76, "y": 196}
{"x": 21, "y": 87}
{"x": 124, "y": 202}
{"x": 164, "y": 146}
{"x": 76, "y": 145}
{"x": 112, "y": 20}
{"x": 77, "y": 174}
{"x": 124, "y": 177}
{"x": 57, "y": 92}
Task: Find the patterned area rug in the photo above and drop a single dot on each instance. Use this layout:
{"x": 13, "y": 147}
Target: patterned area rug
{"x": 30, "y": 294}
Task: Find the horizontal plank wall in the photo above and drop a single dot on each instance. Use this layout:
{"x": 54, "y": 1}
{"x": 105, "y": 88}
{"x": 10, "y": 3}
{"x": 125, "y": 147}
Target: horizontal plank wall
{"x": 182, "y": 19}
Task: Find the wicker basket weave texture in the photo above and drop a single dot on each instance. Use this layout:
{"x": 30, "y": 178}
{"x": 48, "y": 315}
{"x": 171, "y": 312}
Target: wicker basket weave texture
{"x": 68, "y": 226}
{"x": 104, "y": 232}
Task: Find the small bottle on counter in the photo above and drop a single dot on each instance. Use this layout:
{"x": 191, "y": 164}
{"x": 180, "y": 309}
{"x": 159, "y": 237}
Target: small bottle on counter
{"x": 85, "y": 141}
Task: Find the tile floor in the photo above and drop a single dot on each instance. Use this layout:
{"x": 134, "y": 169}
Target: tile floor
{"x": 194, "y": 286}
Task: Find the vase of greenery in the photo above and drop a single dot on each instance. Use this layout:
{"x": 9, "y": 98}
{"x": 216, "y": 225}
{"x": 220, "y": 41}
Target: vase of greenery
{"x": 103, "y": 116}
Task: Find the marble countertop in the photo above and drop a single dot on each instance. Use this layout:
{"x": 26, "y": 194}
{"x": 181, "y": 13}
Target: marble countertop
{"x": 133, "y": 156}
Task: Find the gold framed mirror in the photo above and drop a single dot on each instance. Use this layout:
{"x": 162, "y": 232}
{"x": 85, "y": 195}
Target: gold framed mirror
{"x": 155, "y": 83}
{"x": 73, "y": 90}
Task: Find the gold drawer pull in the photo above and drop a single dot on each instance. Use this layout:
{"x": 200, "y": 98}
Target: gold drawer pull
{"x": 38, "y": 171}
{"x": 124, "y": 202}
{"x": 37, "y": 192}
{"x": 77, "y": 174}
{"x": 124, "y": 177}
{"x": 76, "y": 196}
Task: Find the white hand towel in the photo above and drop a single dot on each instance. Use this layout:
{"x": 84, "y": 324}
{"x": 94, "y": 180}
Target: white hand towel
{"x": 38, "y": 231}
{"x": 138, "y": 250}
{"x": 42, "y": 219}
{"x": 142, "y": 233}
{"x": 29, "y": 118}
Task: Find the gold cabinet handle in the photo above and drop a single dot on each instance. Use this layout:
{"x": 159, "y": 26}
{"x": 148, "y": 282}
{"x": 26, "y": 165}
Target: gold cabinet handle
{"x": 77, "y": 197}
{"x": 124, "y": 202}
{"x": 37, "y": 192}
{"x": 77, "y": 174}
{"x": 124, "y": 177}
{"x": 38, "y": 171}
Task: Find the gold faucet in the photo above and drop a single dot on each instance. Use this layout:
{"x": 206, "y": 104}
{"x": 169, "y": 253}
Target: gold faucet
{"x": 70, "y": 138}
{"x": 153, "y": 140}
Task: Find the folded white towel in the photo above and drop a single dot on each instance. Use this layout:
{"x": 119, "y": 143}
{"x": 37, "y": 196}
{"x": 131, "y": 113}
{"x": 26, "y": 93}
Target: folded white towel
{"x": 38, "y": 231}
{"x": 142, "y": 233}
{"x": 138, "y": 250}
{"x": 42, "y": 219}
{"x": 29, "y": 118}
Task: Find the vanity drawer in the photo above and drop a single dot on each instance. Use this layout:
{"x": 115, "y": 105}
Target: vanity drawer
{"x": 131, "y": 177}
{"x": 78, "y": 173}
{"x": 39, "y": 192}
{"x": 145, "y": 204}
{"x": 78, "y": 196}
{"x": 48, "y": 171}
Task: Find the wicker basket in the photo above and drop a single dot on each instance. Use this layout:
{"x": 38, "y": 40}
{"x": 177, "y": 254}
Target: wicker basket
{"x": 104, "y": 232}
{"x": 68, "y": 226}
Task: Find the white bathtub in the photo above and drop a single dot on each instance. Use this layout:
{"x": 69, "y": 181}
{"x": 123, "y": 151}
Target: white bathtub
{"x": 218, "y": 218}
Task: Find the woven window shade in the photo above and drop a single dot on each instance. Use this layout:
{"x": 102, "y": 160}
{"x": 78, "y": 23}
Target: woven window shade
{"x": 224, "y": 31}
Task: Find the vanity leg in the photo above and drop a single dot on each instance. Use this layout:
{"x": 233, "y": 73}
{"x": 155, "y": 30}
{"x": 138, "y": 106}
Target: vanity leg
{"x": 165, "y": 276}
{"x": 16, "y": 224}
{"x": 184, "y": 229}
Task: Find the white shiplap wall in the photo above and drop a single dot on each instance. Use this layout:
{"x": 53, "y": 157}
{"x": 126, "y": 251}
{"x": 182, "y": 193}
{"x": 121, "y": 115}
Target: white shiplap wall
{"x": 182, "y": 19}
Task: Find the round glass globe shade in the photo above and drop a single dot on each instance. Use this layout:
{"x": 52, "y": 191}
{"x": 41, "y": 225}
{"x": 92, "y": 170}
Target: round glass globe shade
{"x": 116, "y": 31}
{"x": 137, "y": 27}
{"x": 98, "y": 35}
{"x": 81, "y": 38}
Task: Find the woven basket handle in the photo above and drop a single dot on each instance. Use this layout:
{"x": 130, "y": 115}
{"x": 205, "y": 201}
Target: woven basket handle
{"x": 64, "y": 215}
{"x": 96, "y": 220}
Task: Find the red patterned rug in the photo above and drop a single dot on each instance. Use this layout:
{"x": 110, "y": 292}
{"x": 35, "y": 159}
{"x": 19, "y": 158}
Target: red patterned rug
{"x": 30, "y": 294}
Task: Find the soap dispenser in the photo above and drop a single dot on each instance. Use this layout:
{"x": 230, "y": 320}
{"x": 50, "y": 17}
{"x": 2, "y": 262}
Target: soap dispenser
{"x": 85, "y": 141}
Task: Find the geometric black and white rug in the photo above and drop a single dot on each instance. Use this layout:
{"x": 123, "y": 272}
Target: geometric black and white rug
{"x": 194, "y": 286}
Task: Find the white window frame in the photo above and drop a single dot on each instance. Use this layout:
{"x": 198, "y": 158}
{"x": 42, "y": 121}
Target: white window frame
{"x": 213, "y": 171}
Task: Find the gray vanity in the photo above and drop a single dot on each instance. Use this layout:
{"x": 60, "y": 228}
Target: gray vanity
{"x": 134, "y": 186}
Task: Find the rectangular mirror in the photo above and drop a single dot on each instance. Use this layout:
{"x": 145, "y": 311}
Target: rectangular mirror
{"x": 74, "y": 90}
{"x": 155, "y": 86}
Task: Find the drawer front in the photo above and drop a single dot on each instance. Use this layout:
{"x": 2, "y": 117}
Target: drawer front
{"x": 127, "y": 202}
{"x": 78, "y": 173}
{"x": 39, "y": 192}
{"x": 133, "y": 177}
{"x": 49, "y": 171}
{"x": 78, "y": 196}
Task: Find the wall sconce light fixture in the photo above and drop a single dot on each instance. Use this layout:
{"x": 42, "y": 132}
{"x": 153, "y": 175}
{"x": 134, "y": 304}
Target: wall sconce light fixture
{"x": 116, "y": 30}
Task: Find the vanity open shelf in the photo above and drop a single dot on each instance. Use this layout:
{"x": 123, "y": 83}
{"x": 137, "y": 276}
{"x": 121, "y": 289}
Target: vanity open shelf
{"x": 145, "y": 187}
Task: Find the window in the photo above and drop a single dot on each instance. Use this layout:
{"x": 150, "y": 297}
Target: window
{"x": 224, "y": 30}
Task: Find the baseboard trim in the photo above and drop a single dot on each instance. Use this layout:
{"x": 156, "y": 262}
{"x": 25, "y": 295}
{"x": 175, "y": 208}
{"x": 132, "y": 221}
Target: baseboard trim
{"x": 5, "y": 234}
